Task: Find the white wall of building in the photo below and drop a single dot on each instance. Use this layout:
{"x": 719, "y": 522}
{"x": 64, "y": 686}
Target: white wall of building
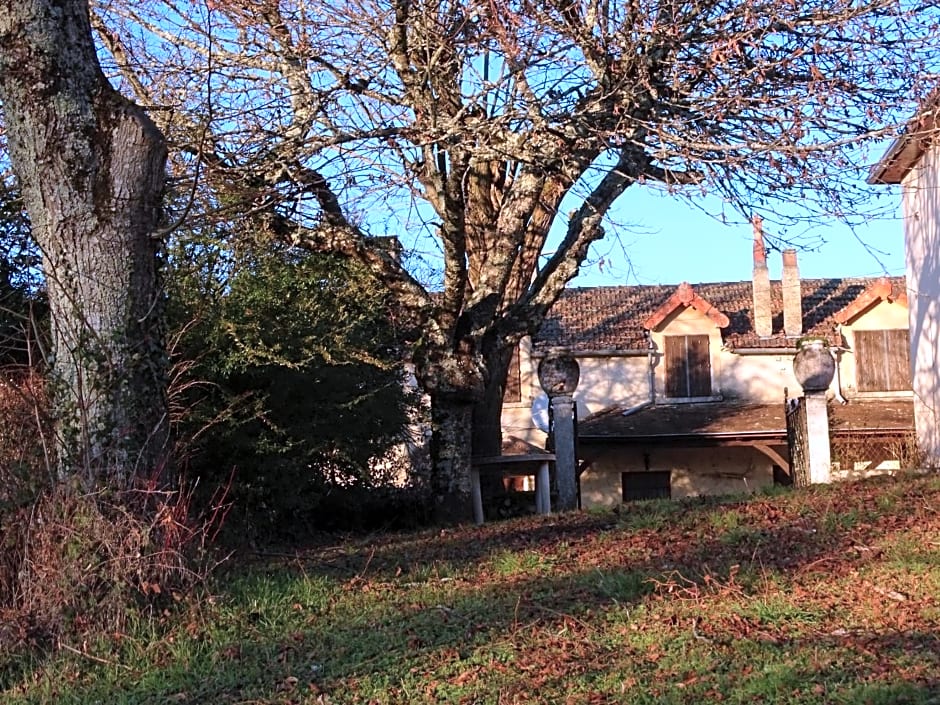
{"x": 613, "y": 380}
{"x": 693, "y": 471}
{"x": 921, "y": 210}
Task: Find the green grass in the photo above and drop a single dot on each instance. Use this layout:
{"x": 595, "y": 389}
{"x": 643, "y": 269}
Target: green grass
{"x": 826, "y": 596}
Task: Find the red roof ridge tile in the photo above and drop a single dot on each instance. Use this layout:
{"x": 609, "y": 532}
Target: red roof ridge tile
{"x": 880, "y": 290}
{"x": 685, "y": 295}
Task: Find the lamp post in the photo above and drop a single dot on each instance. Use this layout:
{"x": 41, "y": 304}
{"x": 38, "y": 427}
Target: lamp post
{"x": 559, "y": 374}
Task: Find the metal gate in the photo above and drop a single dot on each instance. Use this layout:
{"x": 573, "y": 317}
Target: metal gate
{"x": 797, "y": 433}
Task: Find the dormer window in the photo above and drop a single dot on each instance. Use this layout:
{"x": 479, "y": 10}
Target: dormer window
{"x": 688, "y": 366}
{"x": 881, "y": 345}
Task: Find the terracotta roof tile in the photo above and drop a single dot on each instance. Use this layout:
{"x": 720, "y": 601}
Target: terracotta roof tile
{"x": 611, "y": 318}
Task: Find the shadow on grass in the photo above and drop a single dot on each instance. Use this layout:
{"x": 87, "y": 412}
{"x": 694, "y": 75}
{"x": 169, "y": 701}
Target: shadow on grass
{"x": 378, "y": 621}
{"x": 542, "y": 640}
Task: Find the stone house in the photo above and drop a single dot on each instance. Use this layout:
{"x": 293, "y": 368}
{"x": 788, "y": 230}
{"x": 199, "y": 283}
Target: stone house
{"x": 683, "y": 388}
{"x": 913, "y": 161}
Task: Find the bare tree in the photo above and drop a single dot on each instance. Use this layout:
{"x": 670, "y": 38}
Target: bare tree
{"x": 92, "y": 167}
{"x": 506, "y": 129}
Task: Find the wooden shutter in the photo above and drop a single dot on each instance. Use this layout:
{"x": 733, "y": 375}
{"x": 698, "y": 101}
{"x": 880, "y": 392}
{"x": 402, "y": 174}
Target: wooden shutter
{"x": 677, "y": 374}
{"x": 899, "y": 359}
{"x": 688, "y": 366}
{"x": 700, "y": 366}
{"x": 882, "y": 359}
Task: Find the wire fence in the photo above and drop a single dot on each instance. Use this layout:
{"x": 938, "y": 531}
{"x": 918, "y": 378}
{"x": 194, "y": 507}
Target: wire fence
{"x": 855, "y": 455}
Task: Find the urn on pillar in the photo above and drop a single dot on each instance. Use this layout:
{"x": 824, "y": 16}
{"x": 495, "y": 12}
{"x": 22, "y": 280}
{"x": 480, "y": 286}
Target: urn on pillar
{"x": 813, "y": 364}
{"x": 559, "y": 374}
{"x": 814, "y": 367}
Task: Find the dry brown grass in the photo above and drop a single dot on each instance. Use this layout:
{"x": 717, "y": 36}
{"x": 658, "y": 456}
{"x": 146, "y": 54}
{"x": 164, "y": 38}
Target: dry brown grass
{"x": 73, "y": 561}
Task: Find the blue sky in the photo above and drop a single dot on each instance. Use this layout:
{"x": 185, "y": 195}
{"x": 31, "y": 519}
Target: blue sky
{"x": 666, "y": 240}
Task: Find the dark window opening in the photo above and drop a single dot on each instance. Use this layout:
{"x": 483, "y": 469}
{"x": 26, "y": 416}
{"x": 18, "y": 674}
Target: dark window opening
{"x": 882, "y": 359}
{"x": 688, "y": 366}
{"x": 513, "y": 391}
{"x": 646, "y": 485}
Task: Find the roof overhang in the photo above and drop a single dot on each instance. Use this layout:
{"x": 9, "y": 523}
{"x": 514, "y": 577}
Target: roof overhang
{"x": 908, "y": 148}
{"x": 736, "y": 423}
{"x": 690, "y": 440}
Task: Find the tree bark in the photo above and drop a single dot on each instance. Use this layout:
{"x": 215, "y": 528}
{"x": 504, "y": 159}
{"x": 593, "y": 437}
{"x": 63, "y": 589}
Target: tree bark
{"x": 91, "y": 165}
{"x": 487, "y": 439}
{"x": 487, "y": 413}
{"x": 451, "y": 423}
{"x": 454, "y": 382}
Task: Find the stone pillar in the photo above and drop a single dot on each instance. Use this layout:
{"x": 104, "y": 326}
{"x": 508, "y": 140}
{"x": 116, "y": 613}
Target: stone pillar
{"x": 566, "y": 461}
{"x": 559, "y": 374}
{"x": 817, "y": 438}
{"x": 814, "y": 368}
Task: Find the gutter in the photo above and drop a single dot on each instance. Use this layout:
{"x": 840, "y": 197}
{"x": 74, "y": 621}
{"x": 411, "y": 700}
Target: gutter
{"x": 836, "y": 353}
{"x": 787, "y": 350}
{"x": 607, "y": 352}
{"x": 876, "y": 174}
{"x": 770, "y": 434}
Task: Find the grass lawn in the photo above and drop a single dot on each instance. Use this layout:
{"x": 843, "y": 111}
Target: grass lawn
{"x": 828, "y": 595}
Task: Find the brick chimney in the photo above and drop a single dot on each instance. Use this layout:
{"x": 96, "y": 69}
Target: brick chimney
{"x": 792, "y": 296}
{"x": 761, "y": 283}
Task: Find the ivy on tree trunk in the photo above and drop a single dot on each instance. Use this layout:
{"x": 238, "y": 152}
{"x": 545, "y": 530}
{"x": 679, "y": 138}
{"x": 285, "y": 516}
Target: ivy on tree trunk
{"x": 91, "y": 165}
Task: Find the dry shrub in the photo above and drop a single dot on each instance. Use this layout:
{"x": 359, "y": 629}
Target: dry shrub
{"x": 24, "y": 475}
{"x": 24, "y": 431}
{"x": 74, "y": 562}
{"x": 84, "y": 563}
{"x": 84, "y": 560}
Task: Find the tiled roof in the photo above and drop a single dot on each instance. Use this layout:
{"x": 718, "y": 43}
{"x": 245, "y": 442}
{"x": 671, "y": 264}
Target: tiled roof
{"x": 611, "y": 318}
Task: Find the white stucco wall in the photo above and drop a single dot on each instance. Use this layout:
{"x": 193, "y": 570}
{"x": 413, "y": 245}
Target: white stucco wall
{"x": 758, "y": 377}
{"x": 921, "y": 211}
{"x": 693, "y": 471}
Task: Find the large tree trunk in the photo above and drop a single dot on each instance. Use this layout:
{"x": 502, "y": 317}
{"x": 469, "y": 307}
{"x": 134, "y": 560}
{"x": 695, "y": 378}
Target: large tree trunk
{"x": 451, "y": 421}
{"x": 455, "y": 383}
{"x": 466, "y": 423}
{"x": 91, "y": 166}
{"x": 487, "y": 413}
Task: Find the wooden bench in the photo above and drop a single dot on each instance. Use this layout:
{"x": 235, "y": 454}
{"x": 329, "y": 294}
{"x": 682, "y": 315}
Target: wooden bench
{"x": 508, "y": 465}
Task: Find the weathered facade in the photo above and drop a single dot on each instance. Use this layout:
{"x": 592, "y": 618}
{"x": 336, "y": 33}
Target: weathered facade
{"x": 680, "y": 395}
{"x": 913, "y": 161}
